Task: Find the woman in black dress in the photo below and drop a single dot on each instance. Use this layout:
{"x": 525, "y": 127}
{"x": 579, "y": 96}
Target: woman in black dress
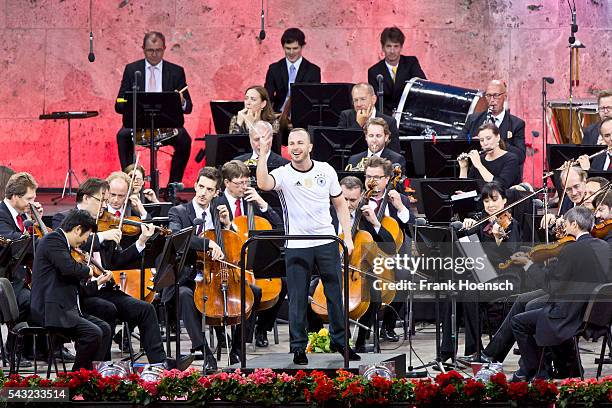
{"x": 494, "y": 163}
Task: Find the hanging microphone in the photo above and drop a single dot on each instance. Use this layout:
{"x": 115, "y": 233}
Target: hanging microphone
{"x": 91, "y": 57}
{"x": 262, "y": 33}
{"x": 379, "y": 78}
{"x": 550, "y": 80}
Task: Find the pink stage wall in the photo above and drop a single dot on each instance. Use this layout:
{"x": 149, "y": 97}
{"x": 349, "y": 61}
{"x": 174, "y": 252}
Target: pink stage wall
{"x": 462, "y": 42}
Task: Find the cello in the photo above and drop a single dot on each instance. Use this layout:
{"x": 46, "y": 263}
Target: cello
{"x": 359, "y": 260}
{"x": 221, "y": 283}
{"x": 270, "y": 287}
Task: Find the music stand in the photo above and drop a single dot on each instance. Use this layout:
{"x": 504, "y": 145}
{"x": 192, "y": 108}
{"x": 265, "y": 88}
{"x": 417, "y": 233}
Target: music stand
{"x": 158, "y": 209}
{"x": 600, "y": 173}
{"x": 70, "y": 172}
{"x": 557, "y": 155}
{"x": 266, "y": 258}
{"x": 335, "y": 146}
{"x": 438, "y": 201}
{"x": 154, "y": 110}
{"x": 439, "y": 159}
{"x": 222, "y": 148}
{"x": 169, "y": 269}
{"x": 319, "y": 104}
{"x": 222, "y": 112}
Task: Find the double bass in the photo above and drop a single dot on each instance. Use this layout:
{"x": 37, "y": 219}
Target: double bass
{"x": 270, "y": 287}
{"x": 360, "y": 260}
{"x": 221, "y": 280}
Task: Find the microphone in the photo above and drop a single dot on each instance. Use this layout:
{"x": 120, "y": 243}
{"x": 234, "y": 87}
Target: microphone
{"x": 28, "y": 225}
{"x": 137, "y": 76}
{"x": 91, "y": 57}
{"x": 537, "y": 203}
{"x": 379, "y": 79}
{"x": 198, "y": 221}
{"x": 176, "y": 185}
{"x": 262, "y": 33}
{"x": 420, "y": 222}
{"x": 456, "y": 225}
{"x": 535, "y": 133}
{"x": 550, "y": 80}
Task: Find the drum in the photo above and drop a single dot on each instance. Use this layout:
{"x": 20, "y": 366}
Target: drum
{"x": 584, "y": 114}
{"x": 426, "y": 106}
{"x": 143, "y": 136}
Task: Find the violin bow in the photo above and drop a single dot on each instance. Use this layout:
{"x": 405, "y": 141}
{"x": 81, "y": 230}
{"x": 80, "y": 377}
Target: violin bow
{"x": 129, "y": 193}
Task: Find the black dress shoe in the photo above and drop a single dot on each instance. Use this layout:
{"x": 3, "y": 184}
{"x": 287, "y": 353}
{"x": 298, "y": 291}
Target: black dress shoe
{"x": 516, "y": 377}
{"x": 389, "y": 335}
{"x": 353, "y": 356}
{"x": 211, "y": 363}
{"x": 64, "y": 354}
{"x": 299, "y": 357}
{"x": 234, "y": 357}
{"x": 261, "y": 338}
{"x": 182, "y": 364}
{"x": 24, "y": 363}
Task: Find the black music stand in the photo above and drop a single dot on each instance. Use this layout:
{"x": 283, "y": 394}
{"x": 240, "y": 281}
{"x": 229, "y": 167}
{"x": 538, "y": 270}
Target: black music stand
{"x": 169, "y": 269}
{"x": 319, "y": 104}
{"x": 439, "y": 159}
{"x": 222, "y": 148}
{"x": 12, "y": 256}
{"x": 70, "y": 172}
{"x": 438, "y": 201}
{"x": 267, "y": 258}
{"x": 154, "y": 110}
{"x": 557, "y": 154}
{"x": 600, "y": 173}
{"x": 158, "y": 209}
{"x": 335, "y": 146}
{"x": 222, "y": 112}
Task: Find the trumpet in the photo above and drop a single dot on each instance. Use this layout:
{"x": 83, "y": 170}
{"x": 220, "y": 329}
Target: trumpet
{"x": 358, "y": 167}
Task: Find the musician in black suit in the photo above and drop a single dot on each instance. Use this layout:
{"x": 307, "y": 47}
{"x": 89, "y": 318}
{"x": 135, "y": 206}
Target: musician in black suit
{"x": 237, "y": 195}
{"x": 601, "y": 161}
{"x": 107, "y": 302}
{"x": 261, "y": 129}
{"x": 291, "y": 69}
{"x": 364, "y": 108}
{"x": 145, "y": 195}
{"x": 576, "y": 190}
{"x": 56, "y": 277}
{"x": 377, "y": 134}
{"x": 603, "y": 210}
{"x": 511, "y": 128}
{"x": 581, "y": 266}
{"x": 398, "y": 208}
{"x": 158, "y": 75}
{"x": 118, "y": 188}
{"x": 395, "y": 68}
{"x": 604, "y": 109}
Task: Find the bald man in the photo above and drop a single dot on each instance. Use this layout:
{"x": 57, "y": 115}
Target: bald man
{"x": 511, "y": 128}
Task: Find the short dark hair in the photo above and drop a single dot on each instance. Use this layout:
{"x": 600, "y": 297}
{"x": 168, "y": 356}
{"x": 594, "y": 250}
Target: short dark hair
{"x": 292, "y": 35}
{"x": 490, "y": 189}
{"x": 210, "y": 173}
{"x": 234, "y": 169}
{"x": 379, "y": 122}
{"x": 603, "y": 199}
{"x": 152, "y": 35}
{"x": 392, "y": 34}
{"x": 603, "y": 94}
{"x": 599, "y": 180}
{"x": 90, "y": 187}
{"x": 351, "y": 182}
{"x": 18, "y": 184}
{"x": 376, "y": 161}
{"x": 582, "y": 216}
{"x": 130, "y": 168}
{"x": 79, "y": 218}
{"x": 302, "y": 130}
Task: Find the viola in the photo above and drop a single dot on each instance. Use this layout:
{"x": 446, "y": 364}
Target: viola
{"x": 602, "y": 229}
{"x": 84, "y": 258}
{"x": 131, "y": 225}
{"x": 221, "y": 283}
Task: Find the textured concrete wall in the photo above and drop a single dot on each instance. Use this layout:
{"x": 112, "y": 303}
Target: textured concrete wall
{"x": 464, "y": 42}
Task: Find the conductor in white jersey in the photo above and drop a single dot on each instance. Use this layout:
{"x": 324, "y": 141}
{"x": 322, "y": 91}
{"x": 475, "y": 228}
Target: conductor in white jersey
{"x": 305, "y": 188}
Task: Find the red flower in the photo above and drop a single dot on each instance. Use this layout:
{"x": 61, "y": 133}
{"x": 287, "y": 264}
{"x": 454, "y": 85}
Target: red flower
{"x": 444, "y": 379}
{"x": 381, "y": 383}
{"x": 449, "y": 390}
{"x": 353, "y": 389}
{"x": 425, "y": 391}
{"x": 472, "y": 387}
{"x": 499, "y": 379}
{"x": 518, "y": 390}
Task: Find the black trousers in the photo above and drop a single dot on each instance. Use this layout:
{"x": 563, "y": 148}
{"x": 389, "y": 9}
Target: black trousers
{"x": 266, "y": 318}
{"x": 92, "y": 337}
{"x": 503, "y": 340}
{"x": 182, "y": 149}
{"x": 192, "y": 318}
{"x": 470, "y": 314}
{"x": 300, "y": 263}
{"x": 114, "y": 304}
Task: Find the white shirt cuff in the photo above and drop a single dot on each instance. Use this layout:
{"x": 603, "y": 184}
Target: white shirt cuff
{"x": 139, "y": 247}
{"x": 404, "y": 215}
{"x": 100, "y": 237}
{"x": 527, "y": 265}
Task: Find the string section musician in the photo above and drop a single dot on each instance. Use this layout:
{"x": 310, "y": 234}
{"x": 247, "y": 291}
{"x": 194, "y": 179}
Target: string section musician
{"x": 158, "y": 75}
{"x": 307, "y": 189}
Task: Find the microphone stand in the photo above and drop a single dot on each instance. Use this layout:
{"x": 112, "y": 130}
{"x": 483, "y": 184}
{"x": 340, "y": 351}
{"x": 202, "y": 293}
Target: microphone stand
{"x": 135, "y": 89}
{"x": 572, "y": 45}
{"x": 380, "y": 94}
{"x": 204, "y": 299}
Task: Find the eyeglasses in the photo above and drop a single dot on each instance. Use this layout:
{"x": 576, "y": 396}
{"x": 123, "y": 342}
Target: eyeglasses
{"x": 605, "y": 108}
{"x": 241, "y": 183}
{"x": 154, "y": 50}
{"x": 100, "y": 200}
{"x": 374, "y": 177}
{"x": 494, "y": 96}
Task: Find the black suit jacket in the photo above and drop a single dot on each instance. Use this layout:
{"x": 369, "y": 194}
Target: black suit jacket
{"x": 274, "y": 160}
{"x": 387, "y": 153}
{"x": 270, "y": 215}
{"x": 55, "y": 283}
{"x": 173, "y": 78}
{"x": 348, "y": 120}
{"x": 277, "y": 79}
{"x": 581, "y": 266}
{"x": 407, "y": 69}
{"x": 511, "y": 123}
{"x": 598, "y": 162}
{"x": 8, "y": 229}
{"x": 591, "y": 134}
{"x": 382, "y": 236}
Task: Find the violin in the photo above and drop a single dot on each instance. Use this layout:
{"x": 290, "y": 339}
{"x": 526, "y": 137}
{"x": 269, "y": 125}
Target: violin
{"x": 84, "y": 258}
{"x": 270, "y": 287}
{"x": 221, "y": 283}
{"x": 542, "y": 252}
{"x": 360, "y": 259}
{"x": 131, "y": 225}
{"x": 602, "y": 229}
{"x": 504, "y": 220}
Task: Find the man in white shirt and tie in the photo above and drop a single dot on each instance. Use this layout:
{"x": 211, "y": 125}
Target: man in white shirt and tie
{"x": 157, "y": 75}
{"x": 511, "y": 128}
